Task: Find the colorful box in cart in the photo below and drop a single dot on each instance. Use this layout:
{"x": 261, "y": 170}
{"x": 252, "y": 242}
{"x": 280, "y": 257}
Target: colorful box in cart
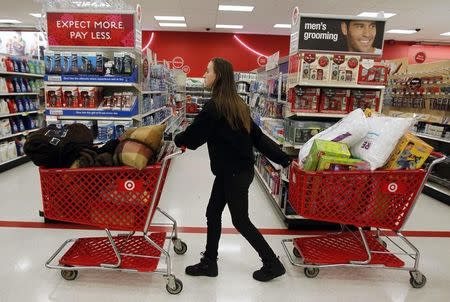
{"x": 324, "y": 148}
{"x": 411, "y": 153}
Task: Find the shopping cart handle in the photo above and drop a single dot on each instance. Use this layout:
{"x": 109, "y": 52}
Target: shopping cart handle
{"x": 438, "y": 154}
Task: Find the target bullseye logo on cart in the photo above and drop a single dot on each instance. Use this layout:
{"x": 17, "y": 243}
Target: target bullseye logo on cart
{"x": 392, "y": 187}
{"x": 129, "y": 185}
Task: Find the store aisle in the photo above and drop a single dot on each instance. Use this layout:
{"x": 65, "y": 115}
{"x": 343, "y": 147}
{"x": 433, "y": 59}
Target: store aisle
{"x": 24, "y": 251}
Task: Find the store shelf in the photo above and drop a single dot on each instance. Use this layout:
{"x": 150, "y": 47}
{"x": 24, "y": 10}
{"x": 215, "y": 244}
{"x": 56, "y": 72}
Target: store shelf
{"x": 436, "y": 138}
{"x": 155, "y": 92}
{"x": 438, "y": 192}
{"x": 13, "y": 163}
{"x": 175, "y": 122}
{"x": 319, "y": 114}
{"x": 340, "y": 85}
{"x": 243, "y": 81}
{"x": 17, "y": 93}
{"x": 99, "y": 118}
{"x": 141, "y": 116}
{"x": 26, "y": 132}
{"x": 25, "y": 113}
{"x": 274, "y": 197}
{"x": 32, "y": 75}
{"x": 284, "y": 144}
{"x": 164, "y": 120}
{"x": 243, "y": 92}
{"x": 103, "y": 84}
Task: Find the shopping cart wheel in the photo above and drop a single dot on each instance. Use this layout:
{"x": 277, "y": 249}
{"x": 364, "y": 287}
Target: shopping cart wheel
{"x": 296, "y": 252}
{"x": 311, "y": 272}
{"x": 417, "y": 280}
{"x": 179, "y": 247}
{"x": 69, "y": 275}
{"x": 178, "y": 287}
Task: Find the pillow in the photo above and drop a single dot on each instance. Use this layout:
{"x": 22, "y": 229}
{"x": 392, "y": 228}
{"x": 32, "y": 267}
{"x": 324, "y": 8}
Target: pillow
{"x": 382, "y": 138}
{"x": 133, "y": 153}
{"x": 149, "y": 135}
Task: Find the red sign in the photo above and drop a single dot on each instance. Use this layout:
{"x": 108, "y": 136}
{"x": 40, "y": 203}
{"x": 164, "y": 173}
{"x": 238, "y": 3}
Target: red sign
{"x": 82, "y": 29}
{"x": 177, "y": 62}
{"x": 420, "y": 57}
{"x": 262, "y": 60}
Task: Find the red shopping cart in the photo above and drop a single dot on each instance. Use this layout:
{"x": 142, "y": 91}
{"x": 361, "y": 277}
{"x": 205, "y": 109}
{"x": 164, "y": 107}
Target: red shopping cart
{"x": 115, "y": 199}
{"x": 382, "y": 200}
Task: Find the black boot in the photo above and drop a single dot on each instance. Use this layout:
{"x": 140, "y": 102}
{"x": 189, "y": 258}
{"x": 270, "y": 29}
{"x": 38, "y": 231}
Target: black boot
{"x": 206, "y": 267}
{"x": 271, "y": 269}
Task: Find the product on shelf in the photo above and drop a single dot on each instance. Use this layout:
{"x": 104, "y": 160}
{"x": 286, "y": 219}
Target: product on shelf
{"x": 410, "y": 153}
{"x": 334, "y": 163}
{"x": 324, "y": 148}
{"x": 335, "y": 100}
{"x": 372, "y": 74}
{"x": 70, "y": 97}
{"x": 5, "y": 128}
{"x": 315, "y": 67}
{"x": 365, "y": 99}
{"x": 299, "y": 132}
{"x": 53, "y": 96}
{"x": 344, "y": 69}
{"x": 304, "y": 99}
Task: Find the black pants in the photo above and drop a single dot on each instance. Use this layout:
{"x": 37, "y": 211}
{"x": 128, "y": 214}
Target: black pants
{"x": 232, "y": 189}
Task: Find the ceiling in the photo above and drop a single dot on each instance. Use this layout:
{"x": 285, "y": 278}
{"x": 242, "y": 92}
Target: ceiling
{"x": 432, "y": 16}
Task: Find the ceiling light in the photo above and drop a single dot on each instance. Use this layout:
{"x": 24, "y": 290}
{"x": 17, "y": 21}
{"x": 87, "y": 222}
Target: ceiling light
{"x": 10, "y": 21}
{"x": 229, "y": 26}
{"x": 282, "y": 25}
{"x": 172, "y": 24}
{"x": 169, "y": 18}
{"x": 446, "y": 34}
{"x": 36, "y": 15}
{"x": 376, "y": 15}
{"x": 401, "y": 31}
{"x": 236, "y": 8}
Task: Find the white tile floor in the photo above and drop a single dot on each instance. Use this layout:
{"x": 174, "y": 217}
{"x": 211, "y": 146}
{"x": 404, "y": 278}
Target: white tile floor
{"x": 24, "y": 251}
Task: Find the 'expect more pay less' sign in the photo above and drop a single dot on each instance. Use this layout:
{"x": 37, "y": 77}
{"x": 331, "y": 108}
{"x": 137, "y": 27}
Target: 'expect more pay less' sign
{"x": 81, "y": 29}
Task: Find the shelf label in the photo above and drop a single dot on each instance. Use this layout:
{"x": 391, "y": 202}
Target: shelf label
{"x": 90, "y": 29}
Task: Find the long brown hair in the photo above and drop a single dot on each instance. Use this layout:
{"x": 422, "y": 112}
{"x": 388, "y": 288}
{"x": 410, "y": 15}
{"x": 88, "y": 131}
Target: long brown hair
{"x": 229, "y": 104}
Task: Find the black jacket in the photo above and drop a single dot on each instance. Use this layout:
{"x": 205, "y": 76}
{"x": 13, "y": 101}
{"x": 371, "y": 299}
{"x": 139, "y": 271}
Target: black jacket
{"x": 229, "y": 150}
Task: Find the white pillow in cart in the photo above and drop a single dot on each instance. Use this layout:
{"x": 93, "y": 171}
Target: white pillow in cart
{"x": 349, "y": 130}
{"x": 381, "y": 139}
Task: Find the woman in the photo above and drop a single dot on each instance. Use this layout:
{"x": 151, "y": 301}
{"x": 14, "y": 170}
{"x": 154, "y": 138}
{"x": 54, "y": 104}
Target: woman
{"x": 226, "y": 126}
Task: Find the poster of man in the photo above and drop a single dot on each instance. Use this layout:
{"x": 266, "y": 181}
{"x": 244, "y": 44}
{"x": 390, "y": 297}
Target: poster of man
{"x": 341, "y": 34}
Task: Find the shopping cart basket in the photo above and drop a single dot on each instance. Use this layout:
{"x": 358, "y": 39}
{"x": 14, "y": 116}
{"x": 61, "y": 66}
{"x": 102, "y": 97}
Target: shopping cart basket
{"x": 112, "y": 198}
{"x": 379, "y": 199}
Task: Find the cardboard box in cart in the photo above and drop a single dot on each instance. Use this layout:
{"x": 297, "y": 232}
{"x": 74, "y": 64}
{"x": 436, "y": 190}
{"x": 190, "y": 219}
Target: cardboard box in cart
{"x": 410, "y": 154}
{"x": 324, "y": 148}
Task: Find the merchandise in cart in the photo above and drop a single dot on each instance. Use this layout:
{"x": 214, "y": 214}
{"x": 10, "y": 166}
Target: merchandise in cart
{"x": 380, "y": 199}
{"x": 119, "y": 199}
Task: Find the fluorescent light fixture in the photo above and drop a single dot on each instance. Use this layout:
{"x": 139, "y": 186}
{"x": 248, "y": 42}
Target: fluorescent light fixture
{"x": 401, "y": 31}
{"x": 91, "y": 4}
{"x": 36, "y": 15}
{"x": 172, "y": 24}
{"x": 169, "y": 18}
{"x": 375, "y": 14}
{"x": 10, "y": 21}
{"x": 278, "y": 25}
{"x": 229, "y": 26}
{"x": 446, "y": 34}
{"x": 236, "y": 8}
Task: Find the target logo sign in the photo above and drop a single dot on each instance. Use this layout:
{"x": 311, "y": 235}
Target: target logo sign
{"x": 394, "y": 188}
{"x": 295, "y": 15}
{"x": 262, "y": 60}
{"x": 129, "y": 185}
{"x": 186, "y": 69}
{"x": 177, "y": 62}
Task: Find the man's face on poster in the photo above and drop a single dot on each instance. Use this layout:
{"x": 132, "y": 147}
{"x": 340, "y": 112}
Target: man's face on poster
{"x": 360, "y": 35}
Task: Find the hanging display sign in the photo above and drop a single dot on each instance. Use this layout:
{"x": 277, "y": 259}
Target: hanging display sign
{"x": 338, "y": 34}
{"x": 90, "y": 29}
{"x": 272, "y": 61}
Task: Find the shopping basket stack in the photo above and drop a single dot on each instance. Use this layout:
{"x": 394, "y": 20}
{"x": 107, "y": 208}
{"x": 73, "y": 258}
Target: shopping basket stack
{"x": 382, "y": 200}
{"x": 115, "y": 199}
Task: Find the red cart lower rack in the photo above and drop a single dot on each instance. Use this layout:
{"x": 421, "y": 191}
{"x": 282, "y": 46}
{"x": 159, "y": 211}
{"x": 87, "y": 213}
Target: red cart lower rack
{"x": 382, "y": 200}
{"x": 115, "y": 199}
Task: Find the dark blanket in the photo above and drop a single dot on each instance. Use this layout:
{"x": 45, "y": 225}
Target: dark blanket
{"x": 54, "y": 147}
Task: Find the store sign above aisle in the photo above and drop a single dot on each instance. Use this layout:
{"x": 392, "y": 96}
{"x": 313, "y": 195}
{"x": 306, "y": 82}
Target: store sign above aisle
{"x": 272, "y": 61}
{"x": 338, "y": 34}
{"x": 90, "y": 29}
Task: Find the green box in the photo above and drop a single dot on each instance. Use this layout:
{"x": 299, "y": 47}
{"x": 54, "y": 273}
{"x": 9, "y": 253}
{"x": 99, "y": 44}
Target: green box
{"x": 324, "y": 148}
{"x": 332, "y": 163}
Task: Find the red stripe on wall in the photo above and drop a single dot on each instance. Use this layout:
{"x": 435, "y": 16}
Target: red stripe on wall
{"x": 202, "y": 230}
